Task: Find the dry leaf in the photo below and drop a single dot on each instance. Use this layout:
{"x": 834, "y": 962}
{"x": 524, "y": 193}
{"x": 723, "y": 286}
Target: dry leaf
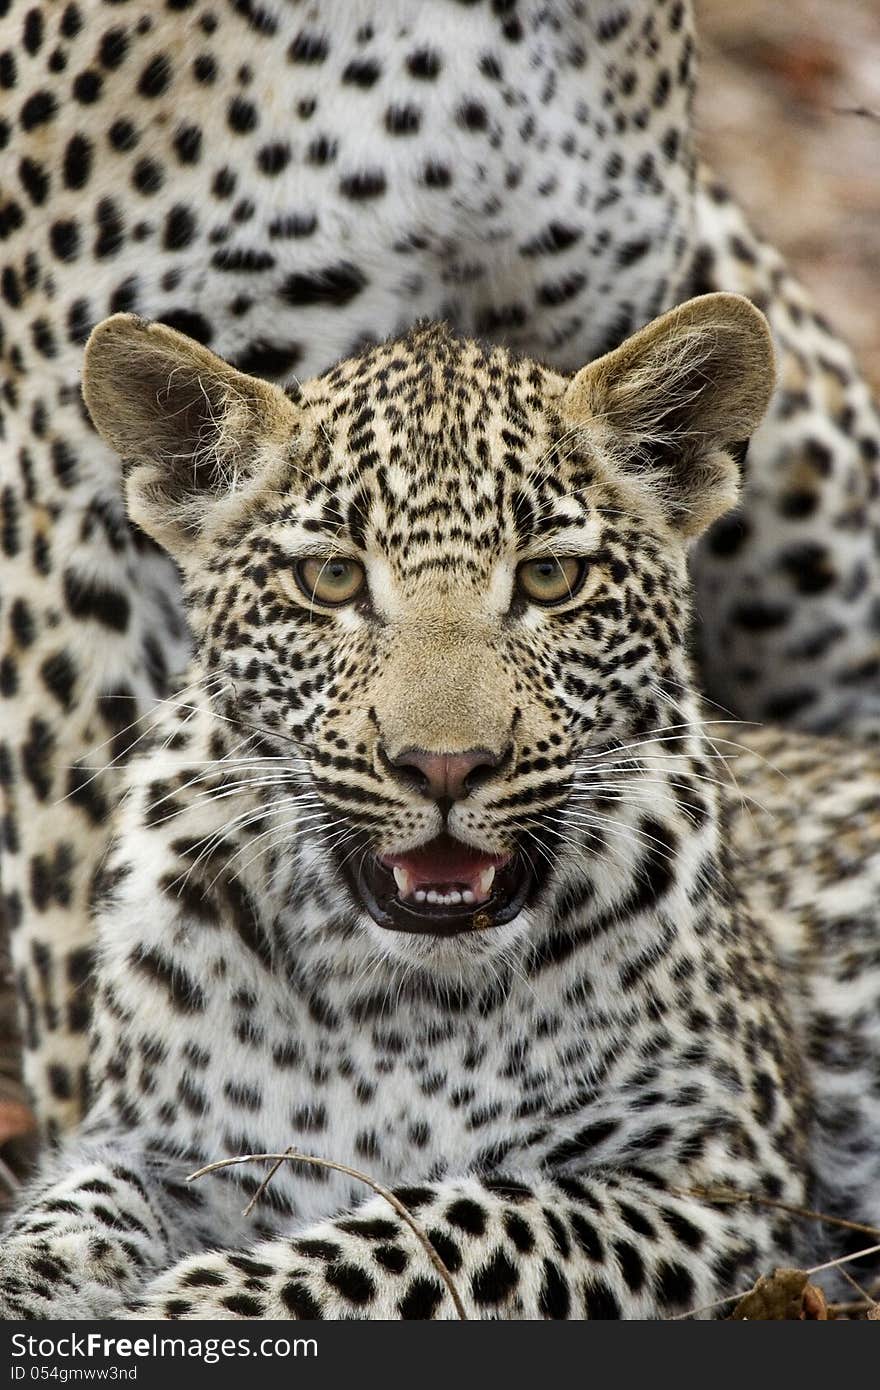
{"x": 786, "y": 1294}
{"x": 815, "y": 1304}
{"x": 15, "y": 1119}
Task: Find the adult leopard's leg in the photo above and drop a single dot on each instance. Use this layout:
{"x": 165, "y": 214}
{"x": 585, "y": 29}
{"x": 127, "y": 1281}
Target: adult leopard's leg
{"x": 788, "y": 587}
{"x": 88, "y": 634}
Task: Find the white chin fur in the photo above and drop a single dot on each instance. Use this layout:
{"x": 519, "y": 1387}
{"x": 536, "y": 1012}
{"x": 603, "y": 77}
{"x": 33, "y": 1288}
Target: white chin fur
{"x": 448, "y": 957}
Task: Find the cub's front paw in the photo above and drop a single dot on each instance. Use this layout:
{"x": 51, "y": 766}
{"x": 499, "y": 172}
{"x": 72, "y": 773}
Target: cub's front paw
{"x": 41, "y": 1279}
{"x": 272, "y": 1281}
{"x": 215, "y": 1285}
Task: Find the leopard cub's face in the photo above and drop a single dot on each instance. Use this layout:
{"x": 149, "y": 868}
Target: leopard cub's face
{"x": 445, "y": 607}
{"x": 434, "y": 581}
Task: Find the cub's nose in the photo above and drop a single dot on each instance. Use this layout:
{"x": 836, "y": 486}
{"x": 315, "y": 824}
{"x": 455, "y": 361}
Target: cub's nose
{"x": 446, "y": 777}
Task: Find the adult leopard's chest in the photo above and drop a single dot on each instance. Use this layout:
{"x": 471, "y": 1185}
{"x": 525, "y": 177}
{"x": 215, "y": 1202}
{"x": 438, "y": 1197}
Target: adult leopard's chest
{"x": 285, "y": 191}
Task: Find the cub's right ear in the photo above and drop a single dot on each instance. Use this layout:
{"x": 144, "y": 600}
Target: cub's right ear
{"x": 191, "y": 430}
{"x": 674, "y": 404}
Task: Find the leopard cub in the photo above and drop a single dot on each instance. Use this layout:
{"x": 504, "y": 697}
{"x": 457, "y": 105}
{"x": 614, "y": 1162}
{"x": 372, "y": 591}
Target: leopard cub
{"x": 429, "y": 867}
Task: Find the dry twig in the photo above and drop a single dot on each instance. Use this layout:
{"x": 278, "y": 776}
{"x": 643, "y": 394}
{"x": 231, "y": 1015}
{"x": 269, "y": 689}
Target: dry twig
{"x": 845, "y": 1310}
{"x": 295, "y": 1156}
{"x": 866, "y": 112}
{"x": 709, "y": 1194}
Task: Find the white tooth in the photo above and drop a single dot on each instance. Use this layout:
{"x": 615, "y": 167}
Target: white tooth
{"x": 485, "y": 881}
{"x": 433, "y": 896}
{"x": 420, "y": 895}
{"x": 403, "y": 879}
{"x": 467, "y": 896}
{"x": 455, "y": 896}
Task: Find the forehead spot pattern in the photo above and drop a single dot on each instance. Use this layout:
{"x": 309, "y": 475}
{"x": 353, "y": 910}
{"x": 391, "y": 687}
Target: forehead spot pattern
{"x": 443, "y": 454}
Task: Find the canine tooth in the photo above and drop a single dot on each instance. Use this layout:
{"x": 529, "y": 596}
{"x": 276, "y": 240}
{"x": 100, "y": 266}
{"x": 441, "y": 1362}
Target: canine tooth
{"x": 420, "y": 895}
{"x": 403, "y": 879}
{"x": 485, "y": 881}
{"x": 467, "y": 896}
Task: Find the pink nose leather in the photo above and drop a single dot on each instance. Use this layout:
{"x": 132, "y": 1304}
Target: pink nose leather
{"x": 445, "y": 774}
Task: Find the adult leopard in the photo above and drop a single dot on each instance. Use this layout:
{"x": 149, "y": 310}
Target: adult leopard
{"x": 284, "y": 181}
{"x": 429, "y": 871}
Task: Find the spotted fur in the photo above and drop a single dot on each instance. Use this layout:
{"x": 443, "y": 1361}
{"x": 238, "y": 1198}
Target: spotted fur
{"x": 550, "y": 1096}
{"x": 286, "y": 183}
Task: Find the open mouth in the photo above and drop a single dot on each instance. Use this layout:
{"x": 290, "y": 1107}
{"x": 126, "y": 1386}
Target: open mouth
{"x": 443, "y": 888}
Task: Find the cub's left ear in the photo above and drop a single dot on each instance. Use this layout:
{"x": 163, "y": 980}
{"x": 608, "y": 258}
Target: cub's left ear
{"x": 675, "y": 404}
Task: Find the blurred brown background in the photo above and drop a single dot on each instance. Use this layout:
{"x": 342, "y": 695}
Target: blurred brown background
{"x": 789, "y": 113}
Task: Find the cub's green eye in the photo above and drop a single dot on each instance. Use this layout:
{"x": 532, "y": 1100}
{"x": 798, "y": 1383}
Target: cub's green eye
{"x": 549, "y": 580}
{"x": 330, "y": 581}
